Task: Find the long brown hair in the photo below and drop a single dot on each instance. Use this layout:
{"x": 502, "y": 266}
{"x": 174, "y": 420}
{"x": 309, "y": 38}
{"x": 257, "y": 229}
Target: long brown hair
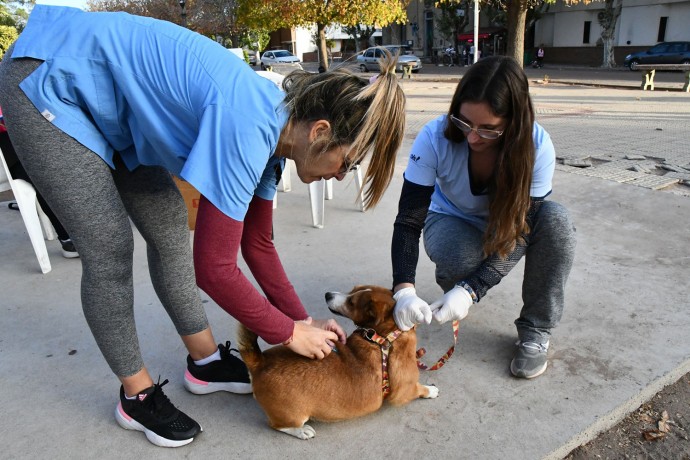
{"x": 502, "y": 84}
{"x": 370, "y": 117}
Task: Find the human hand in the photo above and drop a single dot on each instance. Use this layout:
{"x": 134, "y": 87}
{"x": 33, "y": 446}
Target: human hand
{"x": 312, "y": 342}
{"x": 454, "y": 305}
{"x": 330, "y": 325}
{"x": 409, "y": 309}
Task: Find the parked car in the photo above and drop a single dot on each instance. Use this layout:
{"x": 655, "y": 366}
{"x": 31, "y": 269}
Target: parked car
{"x": 369, "y": 59}
{"x": 278, "y": 57}
{"x": 663, "y": 53}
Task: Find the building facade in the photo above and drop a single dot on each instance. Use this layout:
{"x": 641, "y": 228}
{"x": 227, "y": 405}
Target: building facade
{"x": 572, "y": 34}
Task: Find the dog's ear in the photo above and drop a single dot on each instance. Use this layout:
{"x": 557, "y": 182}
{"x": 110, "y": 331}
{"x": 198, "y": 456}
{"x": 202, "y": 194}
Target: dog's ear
{"x": 382, "y": 304}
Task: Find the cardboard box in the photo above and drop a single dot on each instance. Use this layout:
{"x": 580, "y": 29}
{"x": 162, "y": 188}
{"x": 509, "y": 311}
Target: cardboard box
{"x": 191, "y": 199}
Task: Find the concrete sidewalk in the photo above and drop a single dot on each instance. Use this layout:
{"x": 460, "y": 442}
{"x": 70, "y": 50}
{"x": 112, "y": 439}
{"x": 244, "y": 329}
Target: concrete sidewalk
{"x": 623, "y": 334}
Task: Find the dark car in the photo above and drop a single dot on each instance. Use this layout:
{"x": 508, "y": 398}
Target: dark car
{"x": 663, "y": 53}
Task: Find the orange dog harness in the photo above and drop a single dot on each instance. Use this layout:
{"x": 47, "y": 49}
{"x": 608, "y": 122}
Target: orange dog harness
{"x": 385, "y": 344}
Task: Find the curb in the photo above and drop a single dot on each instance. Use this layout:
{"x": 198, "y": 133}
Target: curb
{"x": 611, "y": 419}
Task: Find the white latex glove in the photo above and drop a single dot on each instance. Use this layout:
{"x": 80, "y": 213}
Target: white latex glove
{"x": 454, "y": 305}
{"x": 410, "y": 309}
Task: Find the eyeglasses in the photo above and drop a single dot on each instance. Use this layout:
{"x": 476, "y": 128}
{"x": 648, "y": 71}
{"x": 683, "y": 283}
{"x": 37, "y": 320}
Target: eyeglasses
{"x": 467, "y": 129}
{"x": 349, "y": 165}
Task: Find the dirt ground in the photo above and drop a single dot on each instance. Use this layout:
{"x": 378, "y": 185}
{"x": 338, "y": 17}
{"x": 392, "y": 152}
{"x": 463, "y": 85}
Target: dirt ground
{"x": 659, "y": 429}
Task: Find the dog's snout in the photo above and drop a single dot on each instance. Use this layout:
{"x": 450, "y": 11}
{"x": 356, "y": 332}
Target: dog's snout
{"x": 336, "y": 302}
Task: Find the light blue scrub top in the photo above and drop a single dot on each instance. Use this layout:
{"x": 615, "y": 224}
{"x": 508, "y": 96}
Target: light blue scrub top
{"x": 436, "y": 161}
{"x": 158, "y": 94}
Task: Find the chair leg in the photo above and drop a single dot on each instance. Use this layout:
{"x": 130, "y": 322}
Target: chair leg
{"x": 329, "y": 189}
{"x": 316, "y": 199}
{"x": 358, "y": 184}
{"x": 285, "y": 179}
{"x": 26, "y": 199}
{"x": 323, "y": 190}
{"x": 48, "y": 229}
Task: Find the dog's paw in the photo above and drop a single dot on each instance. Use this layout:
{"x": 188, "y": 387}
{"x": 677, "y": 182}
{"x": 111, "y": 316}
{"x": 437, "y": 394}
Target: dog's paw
{"x": 432, "y": 391}
{"x": 302, "y": 432}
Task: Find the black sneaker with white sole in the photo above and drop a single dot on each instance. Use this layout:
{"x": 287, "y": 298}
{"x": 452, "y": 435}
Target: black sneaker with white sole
{"x": 227, "y": 374}
{"x": 68, "y": 249}
{"x": 153, "y": 413}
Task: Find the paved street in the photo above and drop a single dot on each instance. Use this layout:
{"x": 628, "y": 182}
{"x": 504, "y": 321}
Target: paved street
{"x": 622, "y": 338}
{"x": 624, "y": 135}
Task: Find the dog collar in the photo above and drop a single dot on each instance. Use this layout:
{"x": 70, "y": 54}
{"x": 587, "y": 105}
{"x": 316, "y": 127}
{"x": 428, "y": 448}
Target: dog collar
{"x": 385, "y": 344}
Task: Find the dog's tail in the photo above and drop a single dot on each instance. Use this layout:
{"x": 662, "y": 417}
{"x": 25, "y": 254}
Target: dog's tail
{"x": 248, "y": 344}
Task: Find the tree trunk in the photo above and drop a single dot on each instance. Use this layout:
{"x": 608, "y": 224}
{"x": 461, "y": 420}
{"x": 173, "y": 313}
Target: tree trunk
{"x": 609, "y": 60}
{"x": 517, "y": 15}
{"x": 323, "y": 49}
{"x": 608, "y": 20}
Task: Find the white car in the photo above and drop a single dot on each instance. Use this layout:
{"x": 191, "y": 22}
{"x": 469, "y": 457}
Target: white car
{"x": 369, "y": 59}
{"x": 273, "y": 57}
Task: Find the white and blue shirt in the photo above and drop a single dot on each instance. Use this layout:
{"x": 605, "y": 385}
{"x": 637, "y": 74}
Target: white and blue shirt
{"x": 436, "y": 161}
{"x": 158, "y": 94}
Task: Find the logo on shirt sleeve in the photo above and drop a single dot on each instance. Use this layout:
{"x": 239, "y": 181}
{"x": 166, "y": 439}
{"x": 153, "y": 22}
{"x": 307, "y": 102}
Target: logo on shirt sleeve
{"x": 414, "y": 157}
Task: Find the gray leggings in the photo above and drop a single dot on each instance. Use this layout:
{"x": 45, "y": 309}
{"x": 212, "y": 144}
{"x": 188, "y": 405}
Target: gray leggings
{"x": 94, "y": 203}
{"x": 456, "y": 248}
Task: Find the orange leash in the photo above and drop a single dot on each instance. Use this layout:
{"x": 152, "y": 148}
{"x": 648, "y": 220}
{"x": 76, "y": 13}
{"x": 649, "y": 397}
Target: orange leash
{"x": 439, "y": 364}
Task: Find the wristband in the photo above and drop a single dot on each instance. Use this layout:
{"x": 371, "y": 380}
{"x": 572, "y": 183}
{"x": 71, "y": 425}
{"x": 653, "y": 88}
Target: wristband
{"x": 469, "y": 290}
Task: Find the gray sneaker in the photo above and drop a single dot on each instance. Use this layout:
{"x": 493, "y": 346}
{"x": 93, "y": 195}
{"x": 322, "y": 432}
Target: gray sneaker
{"x": 530, "y": 360}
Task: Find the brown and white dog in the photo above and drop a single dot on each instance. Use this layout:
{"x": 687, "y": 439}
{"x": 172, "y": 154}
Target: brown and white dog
{"x": 349, "y": 382}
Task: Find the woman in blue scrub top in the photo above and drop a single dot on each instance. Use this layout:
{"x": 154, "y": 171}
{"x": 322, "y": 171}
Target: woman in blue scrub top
{"x": 104, "y": 107}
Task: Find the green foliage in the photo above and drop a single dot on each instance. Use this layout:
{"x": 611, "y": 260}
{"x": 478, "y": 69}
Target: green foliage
{"x": 274, "y": 14}
{"x": 8, "y": 34}
{"x": 255, "y": 39}
{"x": 361, "y": 35}
{"x": 450, "y": 23}
{"x": 12, "y": 14}
{"x": 330, "y": 43}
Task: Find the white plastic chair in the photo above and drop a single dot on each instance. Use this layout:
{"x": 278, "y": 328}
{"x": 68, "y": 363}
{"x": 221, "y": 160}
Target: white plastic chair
{"x": 323, "y": 190}
{"x": 37, "y": 223}
{"x": 319, "y": 192}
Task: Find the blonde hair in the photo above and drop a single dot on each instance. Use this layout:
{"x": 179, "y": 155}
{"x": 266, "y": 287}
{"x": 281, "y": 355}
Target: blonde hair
{"x": 369, "y": 117}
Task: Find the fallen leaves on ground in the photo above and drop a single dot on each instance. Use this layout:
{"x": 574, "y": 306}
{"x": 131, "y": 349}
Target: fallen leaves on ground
{"x": 662, "y": 427}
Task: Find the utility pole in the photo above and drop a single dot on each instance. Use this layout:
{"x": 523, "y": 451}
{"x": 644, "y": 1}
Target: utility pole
{"x": 476, "y": 31}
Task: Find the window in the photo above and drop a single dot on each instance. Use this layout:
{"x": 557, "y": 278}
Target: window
{"x": 662, "y": 29}
{"x": 658, "y": 49}
{"x": 585, "y": 34}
